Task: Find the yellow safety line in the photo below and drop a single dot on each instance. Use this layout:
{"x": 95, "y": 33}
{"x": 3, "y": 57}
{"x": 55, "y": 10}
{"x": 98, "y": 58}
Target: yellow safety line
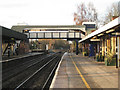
{"x": 87, "y": 85}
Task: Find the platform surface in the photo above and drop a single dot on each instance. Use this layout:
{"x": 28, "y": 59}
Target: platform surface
{"x": 76, "y": 71}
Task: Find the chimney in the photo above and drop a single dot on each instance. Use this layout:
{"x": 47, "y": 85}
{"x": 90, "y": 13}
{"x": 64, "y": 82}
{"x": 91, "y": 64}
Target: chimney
{"x": 114, "y": 17}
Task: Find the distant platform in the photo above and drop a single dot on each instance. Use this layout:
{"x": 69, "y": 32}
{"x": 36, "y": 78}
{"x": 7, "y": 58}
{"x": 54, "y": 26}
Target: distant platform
{"x": 13, "y": 57}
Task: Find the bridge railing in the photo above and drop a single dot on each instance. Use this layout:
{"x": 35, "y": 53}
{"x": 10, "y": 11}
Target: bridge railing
{"x": 54, "y": 35}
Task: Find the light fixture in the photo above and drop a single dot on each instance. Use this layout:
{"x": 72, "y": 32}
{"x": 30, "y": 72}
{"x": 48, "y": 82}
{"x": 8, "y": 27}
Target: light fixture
{"x": 110, "y": 31}
{"x": 94, "y": 39}
{"x": 100, "y": 34}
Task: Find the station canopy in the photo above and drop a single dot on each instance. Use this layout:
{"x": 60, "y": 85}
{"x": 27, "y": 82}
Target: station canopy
{"x": 9, "y": 34}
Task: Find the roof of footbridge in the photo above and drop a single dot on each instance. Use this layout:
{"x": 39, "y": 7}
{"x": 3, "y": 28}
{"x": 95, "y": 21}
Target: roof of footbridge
{"x": 20, "y": 28}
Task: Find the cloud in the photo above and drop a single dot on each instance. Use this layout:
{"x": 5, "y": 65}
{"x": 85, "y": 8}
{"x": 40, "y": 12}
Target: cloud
{"x": 44, "y": 12}
{"x": 14, "y": 5}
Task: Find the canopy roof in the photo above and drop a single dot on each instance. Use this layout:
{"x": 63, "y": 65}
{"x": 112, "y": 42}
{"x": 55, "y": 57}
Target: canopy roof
{"x": 20, "y": 28}
{"x": 104, "y": 29}
{"x": 7, "y": 34}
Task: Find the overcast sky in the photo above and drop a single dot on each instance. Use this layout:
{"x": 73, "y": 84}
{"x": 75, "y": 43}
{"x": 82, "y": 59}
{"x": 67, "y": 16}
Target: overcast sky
{"x": 44, "y": 12}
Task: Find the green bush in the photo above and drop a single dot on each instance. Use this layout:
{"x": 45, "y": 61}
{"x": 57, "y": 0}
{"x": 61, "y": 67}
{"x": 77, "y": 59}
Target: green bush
{"x": 100, "y": 58}
{"x": 110, "y": 60}
{"x": 86, "y": 52}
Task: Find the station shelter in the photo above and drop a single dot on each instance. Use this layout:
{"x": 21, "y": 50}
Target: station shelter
{"x": 104, "y": 43}
{"x": 12, "y": 40}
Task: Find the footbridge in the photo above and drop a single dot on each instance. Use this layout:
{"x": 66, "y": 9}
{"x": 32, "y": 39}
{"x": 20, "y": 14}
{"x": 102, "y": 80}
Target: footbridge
{"x": 69, "y": 32}
{"x": 52, "y": 32}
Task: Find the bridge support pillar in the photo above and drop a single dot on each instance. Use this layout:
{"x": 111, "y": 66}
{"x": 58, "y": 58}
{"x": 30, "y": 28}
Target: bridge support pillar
{"x": 76, "y": 47}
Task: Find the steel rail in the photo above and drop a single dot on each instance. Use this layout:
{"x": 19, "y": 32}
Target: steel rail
{"x": 49, "y": 76}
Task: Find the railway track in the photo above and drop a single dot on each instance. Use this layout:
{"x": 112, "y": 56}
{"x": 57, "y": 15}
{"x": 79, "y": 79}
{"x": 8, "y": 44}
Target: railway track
{"x": 12, "y": 71}
{"x": 36, "y": 75}
{"x": 15, "y": 61}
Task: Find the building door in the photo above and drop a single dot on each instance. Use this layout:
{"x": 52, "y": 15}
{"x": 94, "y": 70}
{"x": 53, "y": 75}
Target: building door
{"x": 92, "y": 53}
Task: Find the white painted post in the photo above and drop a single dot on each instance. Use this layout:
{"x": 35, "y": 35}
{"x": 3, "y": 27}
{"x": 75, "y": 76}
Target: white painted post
{"x": 118, "y": 42}
{"x": 105, "y": 52}
{"x": 46, "y": 46}
{"x": 1, "y": 57}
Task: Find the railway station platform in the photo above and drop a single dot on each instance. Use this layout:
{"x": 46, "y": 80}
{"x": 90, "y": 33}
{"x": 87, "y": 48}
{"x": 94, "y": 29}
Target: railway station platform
{"x": 77, "y": 71}
{"x": 12, "y": 57}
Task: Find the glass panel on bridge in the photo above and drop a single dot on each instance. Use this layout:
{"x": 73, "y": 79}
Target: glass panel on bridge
{"x": 55, "y": 35}
{"x": 63, "y": 35}
{"x": 32, "y": 35}
{"x": 48, "y": 35}
{"x": 41, "y": 35}
{"x": 77, "y": 35}
{"x": 71, "y": 35}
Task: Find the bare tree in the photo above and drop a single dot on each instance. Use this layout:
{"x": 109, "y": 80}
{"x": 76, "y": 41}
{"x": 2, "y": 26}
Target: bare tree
{"x": 80, "y": 16}
{"x": 85, "y": 13}
{"x": 111, "y": 11}
{"x": 119, "y": 8}
{"x": 91, "y": 13}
